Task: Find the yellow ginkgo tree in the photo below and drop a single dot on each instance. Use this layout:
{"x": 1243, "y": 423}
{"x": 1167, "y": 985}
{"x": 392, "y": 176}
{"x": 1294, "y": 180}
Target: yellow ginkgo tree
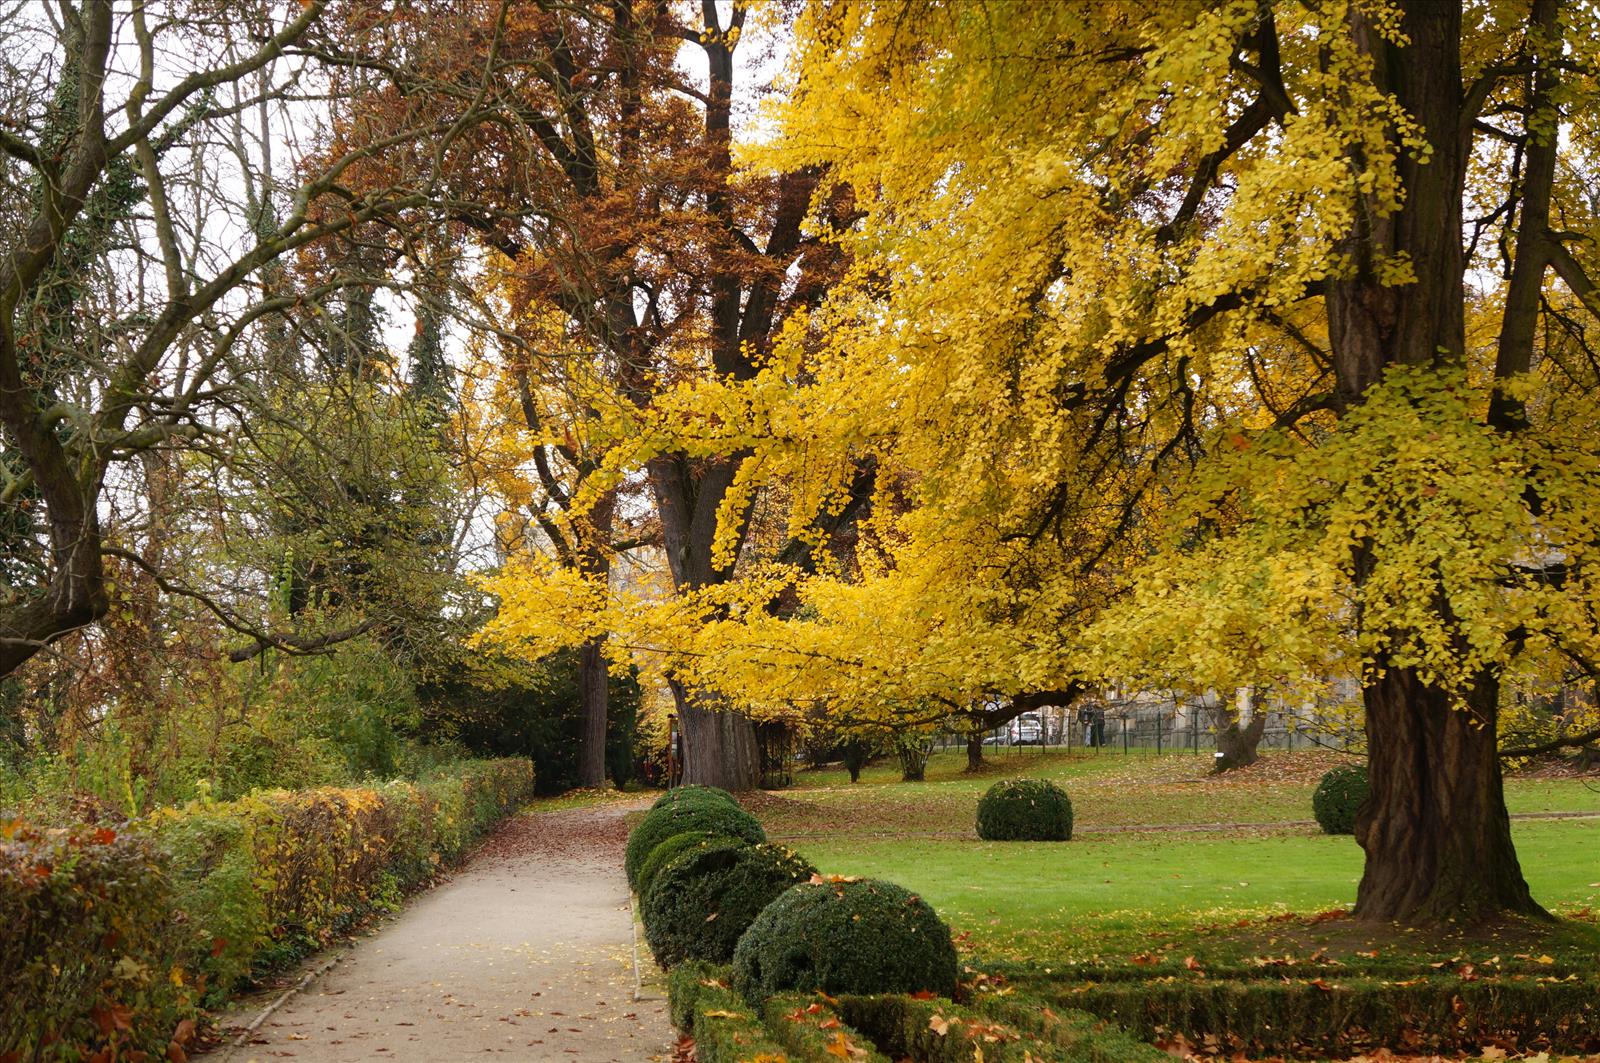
{"x": 1201, "y": 343}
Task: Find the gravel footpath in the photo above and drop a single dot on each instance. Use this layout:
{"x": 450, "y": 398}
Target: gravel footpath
{"x": 526, "y": 952}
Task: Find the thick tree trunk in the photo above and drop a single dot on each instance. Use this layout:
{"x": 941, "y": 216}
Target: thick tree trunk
{"x": 719, "y": 747}
{"x": 1238, "y": 744}
{"x": 593, "y": 677}
{"x": 1436, "y": 834}
{"x": 975, "y": 751}
{"x": 1435, "y": 830}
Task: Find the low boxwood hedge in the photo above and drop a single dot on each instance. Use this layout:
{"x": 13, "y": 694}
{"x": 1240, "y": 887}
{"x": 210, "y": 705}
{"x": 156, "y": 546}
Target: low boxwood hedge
{"x": 698, "y": 905}
{"x": 1077, "y": 1034}
{"x": 685, "y": 983}
{"x": 710, "y": 816}
{"x": 725, "y": 1028}
{"x": 1033, "y": 810}
{"x": 809, "y": 1027}
{"x": 1339, "y": 796}
{"x": 674, "y": 847}
{"x": 844, "y": 936}
{"x": 1344, "y": 1016}
{"x": 940, "y": 1031}
{"x": 873, "y": 1028}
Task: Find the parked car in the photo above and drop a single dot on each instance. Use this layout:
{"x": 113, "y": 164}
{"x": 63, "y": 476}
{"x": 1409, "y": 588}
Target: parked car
{"x": 1027, "y": 730}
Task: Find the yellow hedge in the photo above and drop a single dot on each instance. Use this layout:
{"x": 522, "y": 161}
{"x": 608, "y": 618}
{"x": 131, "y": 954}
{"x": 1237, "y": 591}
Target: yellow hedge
{"x": 224, "y": 888}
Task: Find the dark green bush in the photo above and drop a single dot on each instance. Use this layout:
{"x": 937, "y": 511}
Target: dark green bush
{"x": 671, "y": 849}
{"x": 702, "y": 814}
{"x": 701, "y": 903}
{"x": 1339, "y": 796}
{"x": 535, "y": 712}
{"x": 1030, "y": 810}
{"x": 693, "y": 795}
{"x": 840, "y": 936}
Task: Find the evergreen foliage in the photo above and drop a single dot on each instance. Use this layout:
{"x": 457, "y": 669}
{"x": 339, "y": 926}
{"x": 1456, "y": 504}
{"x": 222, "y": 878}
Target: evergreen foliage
{"x": 1034, "y": 810}
{"x": 674, "y": 847}
{"x": 659, "y": 824}
{"x": 1339, "y": 797}
{"x": 698, "y": 905}
{"x": 846, "y": 936}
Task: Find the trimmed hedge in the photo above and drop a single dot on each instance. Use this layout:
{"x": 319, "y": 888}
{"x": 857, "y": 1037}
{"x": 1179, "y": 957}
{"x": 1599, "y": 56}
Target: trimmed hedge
{"x": 685, "y": 983}
{"x": 1033, "y": 810}
{"x": 725, "y": 1028}
{"x": 810, "y": 1029}
{"x": 90, "y": 961}
{"x": 674, "y": 847}
{"x": 200, "y": 897}
{"x": 1339, "y": 796}
{"x": 798, "y": 1028}
{"x": 702, "y": 814}
{"x": 940, "y": 1031}
{"x": 1343, "y": 1016}
{"x": 842, "y": 936}
{"x": 694, "y": 794}
{"x": 700, "y": 904}
{"x": 1080, "y": 1035}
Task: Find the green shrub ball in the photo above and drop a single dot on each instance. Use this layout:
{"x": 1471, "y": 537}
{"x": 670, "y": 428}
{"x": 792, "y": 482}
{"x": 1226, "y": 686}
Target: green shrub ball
{"x": 674, "y": 847}
{"x": 1339, "y": 796}
{"x": 710, "y": 816}
{"x": 701, "y": 902}
{"x": 694, "y": 795}
{"x": 1025, "y": 810}
{"x": 862, "y": 936}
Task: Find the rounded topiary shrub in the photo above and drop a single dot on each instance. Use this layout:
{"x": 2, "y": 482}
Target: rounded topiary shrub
{"x": 674, "y": 847}
{"x": 1339, "y": 795}
{"x": 839, "y": 936}
{"x": 694, "y": 795}
{"x": 710, "y": 816}
{"x": 701, "y": 902}
{"x": 1026, "y": 810}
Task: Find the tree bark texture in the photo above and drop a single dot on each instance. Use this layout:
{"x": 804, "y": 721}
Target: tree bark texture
{"x": 1238, "y": 744}
{"x": 719, "y": 747}
{"x": 593, "y": 678}
{"x": 1435, "y": 831}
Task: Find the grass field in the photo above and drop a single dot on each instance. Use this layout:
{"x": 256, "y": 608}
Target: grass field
{"x": 1208, "y": 852}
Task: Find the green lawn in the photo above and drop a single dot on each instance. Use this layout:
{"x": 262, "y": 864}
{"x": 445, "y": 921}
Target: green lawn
{"x": 1108, "y": 790}
{"x": 1104, "y": 894}
{"x": 1110, "y": 892}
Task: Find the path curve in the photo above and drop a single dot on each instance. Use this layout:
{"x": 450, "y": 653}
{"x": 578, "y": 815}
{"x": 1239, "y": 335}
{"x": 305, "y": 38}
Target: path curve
{"x": 526, "y": 952}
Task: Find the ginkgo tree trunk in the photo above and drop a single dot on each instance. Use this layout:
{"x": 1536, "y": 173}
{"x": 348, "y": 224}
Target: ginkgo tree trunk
{"x": 1436, "y": 831}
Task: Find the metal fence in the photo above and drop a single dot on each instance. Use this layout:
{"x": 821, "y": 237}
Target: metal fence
{"x": 1164, "y": 730}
